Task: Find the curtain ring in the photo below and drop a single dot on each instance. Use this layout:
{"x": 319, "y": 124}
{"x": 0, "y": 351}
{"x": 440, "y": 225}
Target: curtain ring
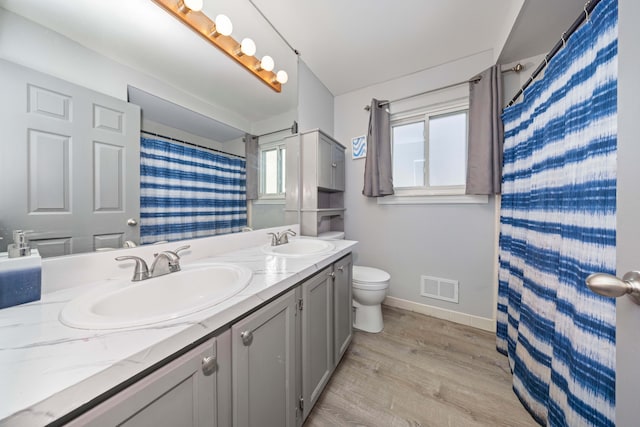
{"x": 546, "y": 62}
{"x": 586, "y": 14}
{"x": 564, "y": 42}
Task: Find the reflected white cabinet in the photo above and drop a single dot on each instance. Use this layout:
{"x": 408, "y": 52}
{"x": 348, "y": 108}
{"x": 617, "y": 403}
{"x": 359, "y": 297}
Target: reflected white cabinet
{"x": 184, "y": 392}
{"x": 263, "y": 380}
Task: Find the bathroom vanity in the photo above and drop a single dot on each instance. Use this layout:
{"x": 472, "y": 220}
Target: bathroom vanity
{"x": 261, "y": 357}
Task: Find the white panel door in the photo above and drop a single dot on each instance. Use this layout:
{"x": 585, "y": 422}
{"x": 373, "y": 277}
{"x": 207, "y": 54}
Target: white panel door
{"x": 70, "y": 163}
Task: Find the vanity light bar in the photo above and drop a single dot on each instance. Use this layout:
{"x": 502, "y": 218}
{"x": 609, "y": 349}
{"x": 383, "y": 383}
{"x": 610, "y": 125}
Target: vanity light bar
{"x": 201, "y": 24}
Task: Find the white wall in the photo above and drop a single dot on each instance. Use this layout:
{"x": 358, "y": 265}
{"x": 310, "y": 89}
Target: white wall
{"x": 628, "y": 205}
{"x": 315, "y": 102}
{"x": 452, "y": 241}
{"x": 512, "y": 82}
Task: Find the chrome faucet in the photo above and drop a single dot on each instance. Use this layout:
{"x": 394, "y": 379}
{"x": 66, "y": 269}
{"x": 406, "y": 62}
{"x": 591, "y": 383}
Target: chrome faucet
{"x": 281, "y": 238}
{"x": 164, "y": 262}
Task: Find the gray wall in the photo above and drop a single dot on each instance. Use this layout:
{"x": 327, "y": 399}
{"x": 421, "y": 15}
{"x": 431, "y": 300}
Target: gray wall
{"x": 315, "y": 102}
{"x": 628, "y": 230}
{"x": 452, "y": 241}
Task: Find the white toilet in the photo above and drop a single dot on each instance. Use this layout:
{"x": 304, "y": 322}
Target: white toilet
{"x": 369, "y": 287}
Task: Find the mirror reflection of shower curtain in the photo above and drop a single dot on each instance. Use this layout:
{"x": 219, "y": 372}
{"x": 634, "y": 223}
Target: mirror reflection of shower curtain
{"x": 187, "y": 192}
{"x": 557, "y": 226}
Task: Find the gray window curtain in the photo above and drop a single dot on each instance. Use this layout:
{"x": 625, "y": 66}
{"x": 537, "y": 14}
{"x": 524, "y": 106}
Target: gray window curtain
{"x": 486, "y": 135}
{"x": 253, "y": 164}
{"x": 378, "y": 177}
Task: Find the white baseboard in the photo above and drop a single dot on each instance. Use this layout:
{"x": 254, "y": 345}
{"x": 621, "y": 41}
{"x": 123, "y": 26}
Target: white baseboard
{"x": 442, "y": 313}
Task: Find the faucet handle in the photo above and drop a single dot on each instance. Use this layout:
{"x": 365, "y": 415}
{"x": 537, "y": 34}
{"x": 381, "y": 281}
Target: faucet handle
{"x": 284, "y": 236}
{"x": 180, "y": 249}
{"x": 274, "y": 238}
{"x": 141, "y": 271}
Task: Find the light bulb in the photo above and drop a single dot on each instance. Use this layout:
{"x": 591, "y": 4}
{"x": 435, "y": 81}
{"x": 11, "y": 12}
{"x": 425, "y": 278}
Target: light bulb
{"x": 267, "y": 63}
{"x": 223, "y": 25}
{"x": 282, "y": 77}
{"x": 247, "y": 47}
{"x": 193, "y": 5}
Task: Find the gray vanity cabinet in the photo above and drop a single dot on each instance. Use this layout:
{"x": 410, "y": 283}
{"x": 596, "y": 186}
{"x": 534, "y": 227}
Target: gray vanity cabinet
{"x": 317, "y": 336}
{"x": 263, "y": 348}
{"x": 268, "y": 369}
{"x": 342, "y": 308}
{"x": 184, "y": 392}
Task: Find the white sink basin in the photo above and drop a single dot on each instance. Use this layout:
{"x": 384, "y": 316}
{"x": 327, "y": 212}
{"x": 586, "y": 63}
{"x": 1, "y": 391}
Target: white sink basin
{"x": 300, "y": 248}
{"x": 123, "y": 304}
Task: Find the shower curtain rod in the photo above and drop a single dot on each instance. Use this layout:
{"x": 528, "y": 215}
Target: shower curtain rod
{"x": 584, "y": 15}
{"x": 516, "y": 68}
{"x": 293, "y": 129}
{"x": 192, "y": 144}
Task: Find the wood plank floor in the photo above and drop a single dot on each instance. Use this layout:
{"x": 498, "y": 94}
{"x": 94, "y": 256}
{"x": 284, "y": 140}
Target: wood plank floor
{"x": 420, "y": 371}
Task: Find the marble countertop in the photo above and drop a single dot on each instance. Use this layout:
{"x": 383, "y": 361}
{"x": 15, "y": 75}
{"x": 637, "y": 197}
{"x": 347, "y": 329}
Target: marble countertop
{"x": 48, "y": 369}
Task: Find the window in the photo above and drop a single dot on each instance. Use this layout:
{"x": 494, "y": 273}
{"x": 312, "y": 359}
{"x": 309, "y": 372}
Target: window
{"x": 272, "y": 170}
{"x": 429, "y": 150}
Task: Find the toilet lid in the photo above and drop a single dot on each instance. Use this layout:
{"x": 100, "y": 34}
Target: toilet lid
{"x": 369, "y": 286}
{"x": 369, "y": 274}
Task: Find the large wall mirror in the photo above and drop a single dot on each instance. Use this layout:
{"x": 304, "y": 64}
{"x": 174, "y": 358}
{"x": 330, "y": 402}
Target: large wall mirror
{"x": 132, "y": 52}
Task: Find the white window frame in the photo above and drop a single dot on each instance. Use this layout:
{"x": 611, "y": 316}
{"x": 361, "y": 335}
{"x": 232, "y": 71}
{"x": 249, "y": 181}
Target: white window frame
{"x": 424, "y": 115}
{"x": 262, "y": 196}
{"x": 430, "y": 194}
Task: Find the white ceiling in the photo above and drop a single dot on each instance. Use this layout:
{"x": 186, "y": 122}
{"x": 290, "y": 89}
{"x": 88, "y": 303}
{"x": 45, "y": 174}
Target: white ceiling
{"x": 357, "y": 43}
{"x": 539, "y": 27}
{"x": 353, "y": 44}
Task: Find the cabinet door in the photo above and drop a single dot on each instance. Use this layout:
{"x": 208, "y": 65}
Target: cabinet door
{"x": 338, "y": 167}
{"x": 325, "y": 162}
{"x": 343, "y": 312}
{"x": 263, "y": 349}
{"x": 317, "y": 337}
{"x": 181, "y": 393}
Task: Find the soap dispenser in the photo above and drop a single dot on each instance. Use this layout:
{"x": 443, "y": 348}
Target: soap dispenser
{"x": 20, "y": 246}
{"x": 20, "y": 272}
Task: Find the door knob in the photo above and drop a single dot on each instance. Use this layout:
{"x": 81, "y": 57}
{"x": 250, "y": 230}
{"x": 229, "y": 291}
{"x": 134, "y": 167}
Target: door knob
{"x": 132, "y": 222}
{"x": 611, "y": 286}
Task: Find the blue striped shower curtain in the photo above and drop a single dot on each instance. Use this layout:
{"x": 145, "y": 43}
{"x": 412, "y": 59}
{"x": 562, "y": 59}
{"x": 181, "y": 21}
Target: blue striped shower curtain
{"x": 557, "y": 226}
{"x": 188, "y": 192}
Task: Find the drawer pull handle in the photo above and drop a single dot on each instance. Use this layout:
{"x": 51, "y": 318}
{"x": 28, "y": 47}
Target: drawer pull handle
{"x": 341, "y": 268}
{"x": 209, "y": 365}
